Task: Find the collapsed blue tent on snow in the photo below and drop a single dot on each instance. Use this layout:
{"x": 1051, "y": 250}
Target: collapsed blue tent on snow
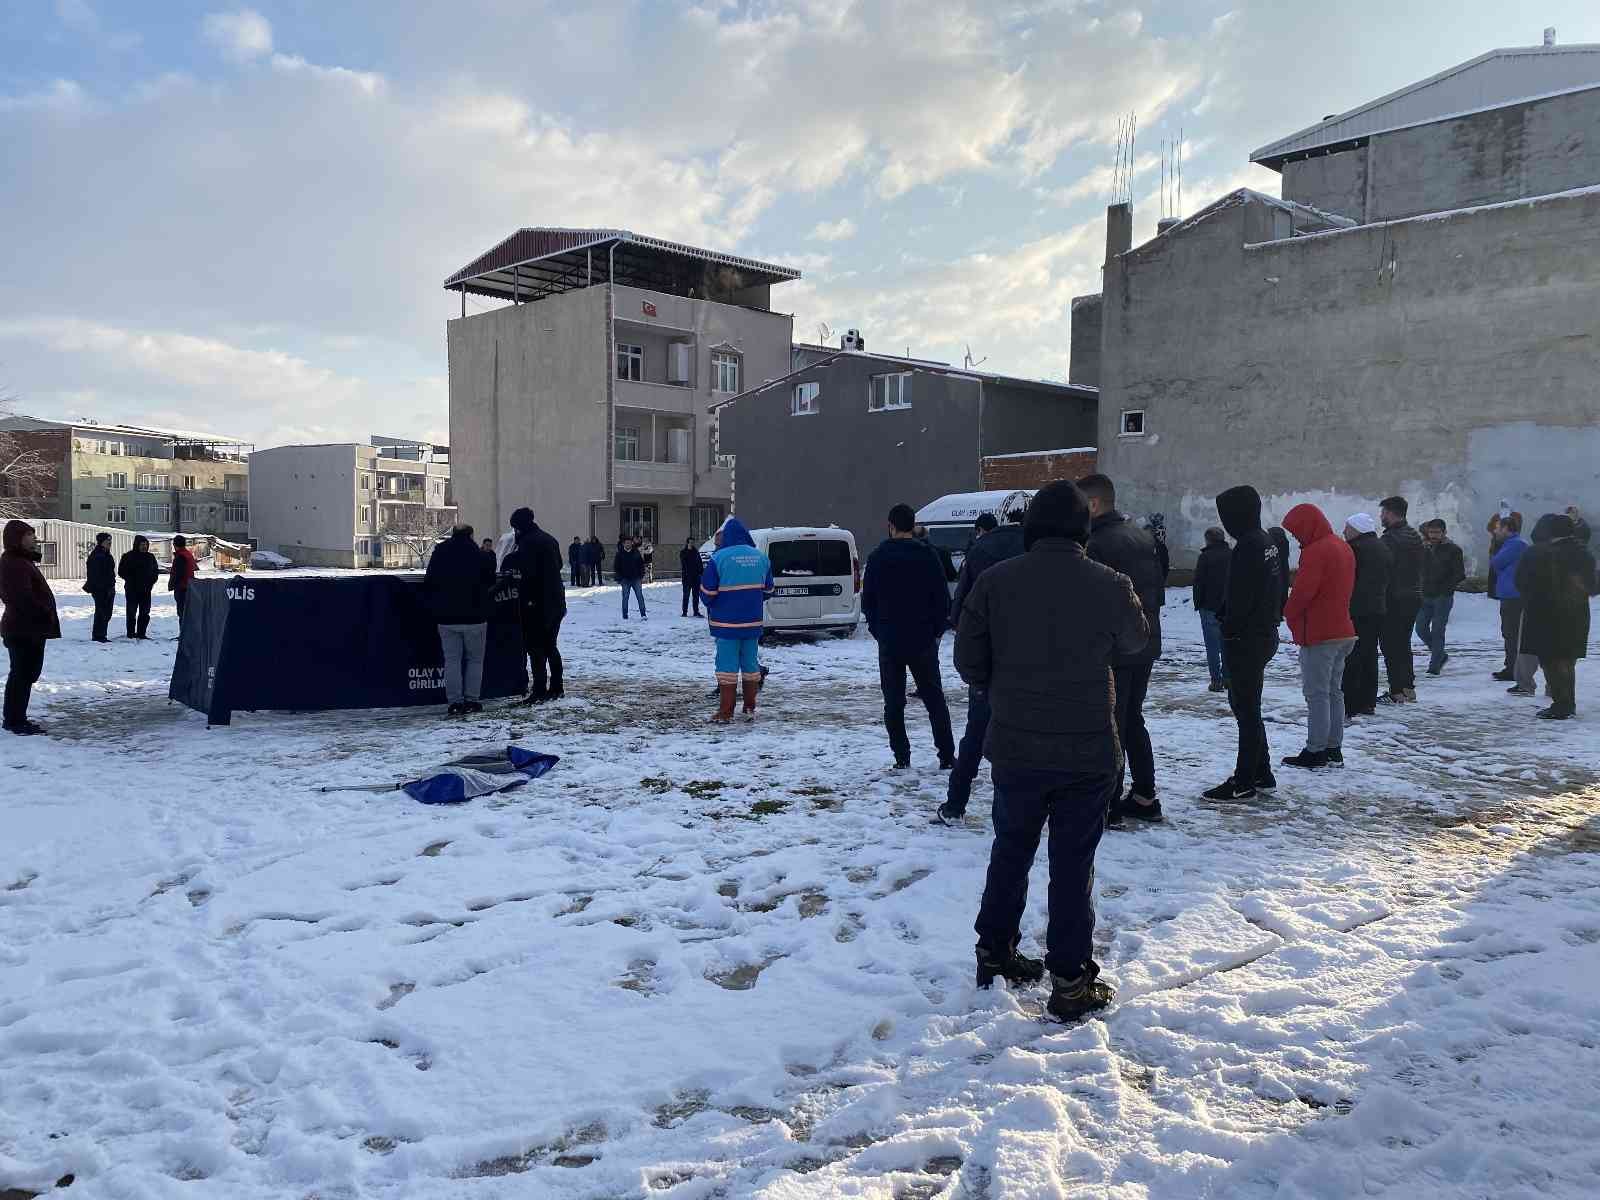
{"x": 463, "y": 779}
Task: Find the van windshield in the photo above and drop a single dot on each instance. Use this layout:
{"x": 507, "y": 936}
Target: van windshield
{"x": 810, "y": 558}
{"x": 954, "y": 538}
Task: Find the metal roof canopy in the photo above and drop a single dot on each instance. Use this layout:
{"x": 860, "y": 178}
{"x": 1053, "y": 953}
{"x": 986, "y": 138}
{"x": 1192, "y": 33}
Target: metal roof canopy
{"x": 540, "y": 261}
{"x": 85, "y": 424}
{"x": 1493, "y": 80}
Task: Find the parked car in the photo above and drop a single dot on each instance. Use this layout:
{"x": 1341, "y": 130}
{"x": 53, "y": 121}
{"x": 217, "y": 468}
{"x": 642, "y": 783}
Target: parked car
{"x": 816, "y": 575}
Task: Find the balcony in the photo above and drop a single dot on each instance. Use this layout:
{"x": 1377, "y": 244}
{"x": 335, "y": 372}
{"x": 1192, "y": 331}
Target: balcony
{"x": 411, "y": 496}
{"x": 656, "y": 397}
{"x": 671, "y": 479}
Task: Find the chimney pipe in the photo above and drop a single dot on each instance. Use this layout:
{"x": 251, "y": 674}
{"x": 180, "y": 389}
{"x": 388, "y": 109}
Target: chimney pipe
{"x": 1119, "y": 230}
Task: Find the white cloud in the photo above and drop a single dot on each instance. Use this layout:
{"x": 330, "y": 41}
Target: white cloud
{"x": 241, "y": 35}
{"x": 834, "y": 231}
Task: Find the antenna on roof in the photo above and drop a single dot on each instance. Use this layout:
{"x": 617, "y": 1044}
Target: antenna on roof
{"x": 971, "y": 362}
{"x": 824, "y": 333}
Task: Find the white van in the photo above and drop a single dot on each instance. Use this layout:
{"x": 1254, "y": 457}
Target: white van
{"x": 949, "y": 518}
{"x": 816, "y": 577}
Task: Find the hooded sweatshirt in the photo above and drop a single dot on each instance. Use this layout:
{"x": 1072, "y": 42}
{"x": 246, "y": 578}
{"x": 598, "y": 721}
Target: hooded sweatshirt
{"x": 1255, "y": 591}
{"x": 1319, "y": 606}
{"x": 30, "y": 605}
{"x": 904, "y": 597}
{"x": 736, "y": 584}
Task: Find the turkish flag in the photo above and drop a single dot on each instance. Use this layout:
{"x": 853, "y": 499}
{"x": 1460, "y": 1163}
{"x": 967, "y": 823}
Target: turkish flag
{"x": 649, "y": 309}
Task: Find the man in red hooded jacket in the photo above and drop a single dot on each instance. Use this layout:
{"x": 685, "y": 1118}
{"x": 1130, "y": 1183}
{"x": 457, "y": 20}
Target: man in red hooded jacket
{"x": 182, "y": 573}
{"x": 1318, "y": 616}
{"x": 28, "y": 622}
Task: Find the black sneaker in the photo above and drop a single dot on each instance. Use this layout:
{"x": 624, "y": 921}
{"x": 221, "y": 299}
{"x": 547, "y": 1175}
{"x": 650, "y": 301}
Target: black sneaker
{"x": 902, "y": 764}
{"x": 536, "y": 696}
{"x": 1521, "y": 691}
{"x": 1335, "y": 756}
{"x": 455, "y": 710}
{"x": 1391, "y": 698}
{"x": 25, "y": 729}
{"x": 1217, "y": 687}
{"x": 1114, "y": 814}
{"x": 1229, "y": 789}
{"x": 1504, "y": 676}
{"x": 1266, "y": 781}
{"x": 1016, "y": 969}
{"x": 947, "y": 762}
{"x": 554, "y": 694}
{"x": 1141, "y": 808}
{"x": 471, "y": 708}
{"x": 949, "y": 814}
{"x": 1072, "y": 999}
{"x": 1556, "y": 713}
{"x": 1310, "y": 760}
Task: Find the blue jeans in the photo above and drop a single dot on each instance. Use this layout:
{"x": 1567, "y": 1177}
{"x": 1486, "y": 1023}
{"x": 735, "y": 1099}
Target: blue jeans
{"x": 736, "y": 656}
{"x": 1073, "y": 804}
{"x": 1432, "y": 618}
{"x": 969, "y": 757}
{"x": 1211, "y": 629}
{"x": 632, "y": 587}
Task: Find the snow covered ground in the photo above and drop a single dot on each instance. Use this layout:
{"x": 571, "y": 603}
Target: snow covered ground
{"x": 694, "y": 962}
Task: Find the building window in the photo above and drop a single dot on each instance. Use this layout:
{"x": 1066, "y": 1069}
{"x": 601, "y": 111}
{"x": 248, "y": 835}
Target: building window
{"x": 804, "y": 401}
{"x": 236, "y": 513}
{"x": 704, "y": 521}
{"x": 889, "y": 391}
{"x": 47, "y": 554}
{"x": 638, "y": 522}
{"x": 366, "y": 482}
{"x": 1132, "y": 423}
{"x": 151, "y": 515}
{"x": 630, "y": 362}
{"x": 627, "y": 443}
{"x": 191, "y": 515}
{"x": 188, "y": 483}
{"x": 366, "y": 514}
{"x": 117, "y": 514}
{"x": 724, "y": 371}
{"x": 117, "y": 481}
{"x": 153, "y": 483}
{"x": 114, "y": 448}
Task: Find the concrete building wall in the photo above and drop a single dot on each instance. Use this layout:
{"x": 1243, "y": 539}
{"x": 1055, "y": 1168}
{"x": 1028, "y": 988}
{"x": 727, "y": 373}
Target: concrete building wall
{"x": 1084, "y": 365}
{"x": 844, "y": 465}
{"x": 1508, "y": 153}
{"x": 1450, "y": 359}
{"x": 303, "y": 503}
{"x": 1018, "y": 418}
{"x": 1335, "y": 183}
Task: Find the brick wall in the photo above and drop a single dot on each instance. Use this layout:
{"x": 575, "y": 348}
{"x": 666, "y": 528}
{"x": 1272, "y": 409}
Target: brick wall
{"x": 1011, "y": 471}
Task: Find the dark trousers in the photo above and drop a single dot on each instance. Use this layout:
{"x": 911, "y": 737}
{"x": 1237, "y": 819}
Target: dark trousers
{"x": 969, "y": 755}
{"x": 1511, "y": 630}
{"x": 138, "y": 613}
{"x": 544, "y": 655}
{"x": 1561, "y": 677}
{"x": 1132, "y": 685}
{"x": 691, "y": 593}
{"x": 577, "y": 575}
{"x": 924, "y": 668}
{"x": 1432, "y": 619}
{"x": 104, "y": 602}
{"x": 27, "y": 662}
{"x": 1361, "y": 668}
{"x": 1398, "y": 622}
{"x": 1247, "y": 672}
{"x": 1073, "y": 804}
{"x": 180, "y": 598}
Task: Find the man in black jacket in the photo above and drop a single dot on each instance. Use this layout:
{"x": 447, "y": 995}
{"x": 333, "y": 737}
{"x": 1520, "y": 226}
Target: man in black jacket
{"x": 627, "y": 568}
{"x": 1251, "y": 612}
{"x": 575, "y": 557}
{"x": 535, "y": 564}
{"x": 1123, "y": 546}
{"x": 1210, "y": 590}
{"x": 1444, "y": 567}
{"x": 101, "y": 582}
{"x": 1369, "y": 600}
{"x": 1403, "y": 601}
{"x": 459, "y": 585}
{"x": 1038, "y": 634}
{"x": 139, "y": 573}
{"x": 906, "y": 602}
{"x": 992, "y": 543}
{"x": 690, "y": 567}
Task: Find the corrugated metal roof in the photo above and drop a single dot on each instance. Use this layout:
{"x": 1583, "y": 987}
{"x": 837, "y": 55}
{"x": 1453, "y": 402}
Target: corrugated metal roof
{"x": 1491, "y": 80}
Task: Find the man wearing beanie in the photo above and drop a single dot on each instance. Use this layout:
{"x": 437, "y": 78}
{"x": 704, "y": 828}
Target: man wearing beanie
{"x": 1368, "y": 603}
{"x": 1037, "y": 634}
{"x": 535, "y": 563}
{"x": 1251, "y": 611}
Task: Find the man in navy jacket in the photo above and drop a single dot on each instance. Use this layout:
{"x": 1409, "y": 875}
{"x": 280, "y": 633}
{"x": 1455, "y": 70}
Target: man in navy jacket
{"x": 906, "y": 602}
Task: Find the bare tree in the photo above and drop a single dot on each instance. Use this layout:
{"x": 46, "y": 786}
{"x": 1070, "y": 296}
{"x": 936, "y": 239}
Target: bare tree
{"x": 25, "y": 474}
{"x": 417, "y": 528}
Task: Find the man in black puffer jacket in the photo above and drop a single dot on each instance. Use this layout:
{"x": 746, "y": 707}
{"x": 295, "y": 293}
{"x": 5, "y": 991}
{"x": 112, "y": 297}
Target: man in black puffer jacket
{"x": 1038, "y": 634}
{"x": 1403, "y": 602}
{"x": 1251, "y": 613}
{"x": 139, "y": 573}
{"x": 1210, "y": 592}
{"x": 906, "y": 602}
{"x": 100, "y": 581}
{"x": 535, "y": 564}
{"x": 459, "y": 587}
{"x": 1368, "y": 602}
{"x": 993, "y": 543}
{"x": 1124, "y": 547}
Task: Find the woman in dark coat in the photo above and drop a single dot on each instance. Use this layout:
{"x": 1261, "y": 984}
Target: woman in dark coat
{"x": 1556, "y": 577}
{"x": 27, "y": 622}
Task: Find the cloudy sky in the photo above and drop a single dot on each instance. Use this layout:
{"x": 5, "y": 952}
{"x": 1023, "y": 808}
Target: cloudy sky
{"x": 238, "y": 219}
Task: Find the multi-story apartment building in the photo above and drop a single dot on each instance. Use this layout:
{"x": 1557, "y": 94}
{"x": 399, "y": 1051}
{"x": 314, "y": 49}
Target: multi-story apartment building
{"x": 347, "y": 504}
{"x": 129, "y": 477}
{"x": 586, "y": 396}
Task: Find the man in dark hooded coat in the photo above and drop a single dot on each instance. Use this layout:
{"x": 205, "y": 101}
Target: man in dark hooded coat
{"x": 1555, "y": 578}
